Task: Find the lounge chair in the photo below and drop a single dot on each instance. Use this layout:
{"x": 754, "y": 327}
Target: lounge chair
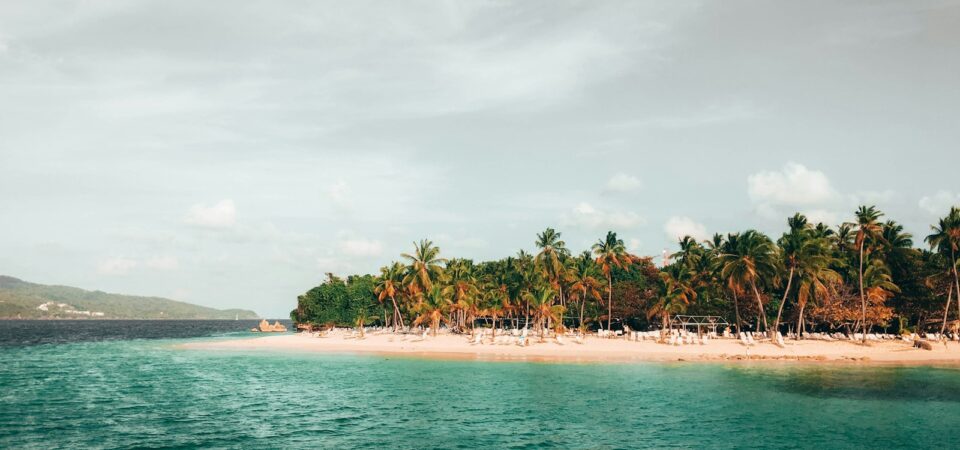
{"x": 559, "y": 339}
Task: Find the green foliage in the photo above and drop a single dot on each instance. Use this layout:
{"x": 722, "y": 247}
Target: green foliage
{"x": 810, "y": 277}
{"x": 339, "y": 302}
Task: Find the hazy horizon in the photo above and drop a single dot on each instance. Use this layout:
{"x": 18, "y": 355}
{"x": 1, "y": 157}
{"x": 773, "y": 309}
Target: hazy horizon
{"x": 231, "y": 156}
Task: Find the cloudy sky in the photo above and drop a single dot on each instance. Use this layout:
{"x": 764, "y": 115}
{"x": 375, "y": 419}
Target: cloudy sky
{"x": 229, "y": 153}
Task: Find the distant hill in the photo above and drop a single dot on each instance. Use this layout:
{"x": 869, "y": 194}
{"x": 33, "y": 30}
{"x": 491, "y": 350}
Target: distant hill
{"x": 20, "y": 299}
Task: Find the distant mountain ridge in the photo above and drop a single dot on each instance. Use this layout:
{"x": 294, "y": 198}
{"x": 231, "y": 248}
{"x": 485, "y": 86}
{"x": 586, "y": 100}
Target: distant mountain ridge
{"x": 24, "y": 300}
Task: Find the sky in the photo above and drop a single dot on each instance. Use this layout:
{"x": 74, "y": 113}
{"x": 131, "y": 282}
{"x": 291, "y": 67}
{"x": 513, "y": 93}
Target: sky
{"x": 230, "y": 153}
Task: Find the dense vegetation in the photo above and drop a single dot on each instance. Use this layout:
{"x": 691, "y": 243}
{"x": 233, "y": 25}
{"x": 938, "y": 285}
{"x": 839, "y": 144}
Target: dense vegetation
{"x": 23, "y": 300}
{"x": 865, "y": 274}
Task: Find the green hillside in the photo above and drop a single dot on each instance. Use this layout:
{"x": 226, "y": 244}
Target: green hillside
{"x": 20, "y": 299}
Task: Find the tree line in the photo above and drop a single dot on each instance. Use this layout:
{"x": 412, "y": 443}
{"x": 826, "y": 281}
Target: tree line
{"x": 858, "y": 277}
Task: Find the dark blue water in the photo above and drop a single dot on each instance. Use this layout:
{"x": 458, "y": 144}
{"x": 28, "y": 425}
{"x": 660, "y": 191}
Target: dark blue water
{"x": 123, "y": 389}
{"x": 33, "y": 332}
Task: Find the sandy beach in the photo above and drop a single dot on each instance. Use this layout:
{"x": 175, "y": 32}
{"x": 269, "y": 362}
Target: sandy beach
{"x": 594, "y": 349}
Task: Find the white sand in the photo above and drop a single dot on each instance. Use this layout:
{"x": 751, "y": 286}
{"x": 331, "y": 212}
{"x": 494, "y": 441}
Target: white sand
{"x": 593, "y": 349}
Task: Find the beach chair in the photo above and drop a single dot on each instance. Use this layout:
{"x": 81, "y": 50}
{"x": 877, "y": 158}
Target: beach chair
{"x": 578, "y": 339}
{"x": 559, "y": 339}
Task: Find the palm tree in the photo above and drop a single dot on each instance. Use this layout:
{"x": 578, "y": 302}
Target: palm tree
{"x": 610, "y": 253}
{"x": 460, "y": 286}
{"x": 868, "y": 228}
{"x": 675, "y": 294}
{"x": 424, "y": 267}
{"x": 815, "y": 278}
{"x": 690, "y": 252}
{"x": 945, "y": 239}
{"x": 541, "y": 302}
{"x": 752, "y": 260}
{"x": 433, "y": 309}
{"x": 581, "y": 273}
{"x": 388, "y": 284}
{"x": 550, "y": 259}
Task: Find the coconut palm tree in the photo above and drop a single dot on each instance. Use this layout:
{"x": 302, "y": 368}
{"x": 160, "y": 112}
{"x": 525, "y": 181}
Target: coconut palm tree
{"x": 690, "y": 252}
{"x": 869, "y": 229}
{"x": 388, "y": 285}
{"x": 945, "y": 239}
{"x": 581, "y": 273}
{"x": 675, "y": 293}
{"x": 752, "y": 261}
{"x": 461, "y": 286}
{"x": 815, "y": 277}
{"x": 794, "y": 248}
{"x": 433, "y": 309}
{"x": 550, "y": 259}
{"x": 424, "y": 266}
{"x": 544, "y": 311}
{"x": 611, "y": 253}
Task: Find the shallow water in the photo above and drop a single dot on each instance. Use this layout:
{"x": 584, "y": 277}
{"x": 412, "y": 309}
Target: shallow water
{"x": 146, "y": 392}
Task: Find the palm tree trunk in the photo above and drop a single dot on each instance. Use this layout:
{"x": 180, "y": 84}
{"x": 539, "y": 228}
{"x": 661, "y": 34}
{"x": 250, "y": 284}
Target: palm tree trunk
{"x": 526, "y": 315}
{"x": 397, "y": 315}
{"x": 800, "y": 321}
{"x": 776, "y": 324}
{"x": 763, "y": 314}
{"x": 583, "y": 303}
{"x": 863, "y": 298}
{"x": 956, "y": 278}
{"x": 736, "y": 308}
{"x": 609, "y": 300}
{"x": 945, "y": 310}
{"x": 666, "y": 328}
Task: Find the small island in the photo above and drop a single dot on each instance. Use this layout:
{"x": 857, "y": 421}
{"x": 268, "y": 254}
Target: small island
{"x": 858, "y": 292}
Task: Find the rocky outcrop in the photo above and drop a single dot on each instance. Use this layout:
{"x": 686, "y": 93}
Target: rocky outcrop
{"x": 265, "y": 327}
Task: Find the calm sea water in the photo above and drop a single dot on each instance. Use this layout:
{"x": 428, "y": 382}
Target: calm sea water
{"x": 119, "y": 387}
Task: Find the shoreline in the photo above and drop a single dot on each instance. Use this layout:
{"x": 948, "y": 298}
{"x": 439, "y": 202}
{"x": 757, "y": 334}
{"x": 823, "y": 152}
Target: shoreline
{"x": 595, "y": 350}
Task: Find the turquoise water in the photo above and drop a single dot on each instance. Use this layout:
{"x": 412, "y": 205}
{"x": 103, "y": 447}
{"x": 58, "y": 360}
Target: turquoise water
{"x": 147, "y": 393}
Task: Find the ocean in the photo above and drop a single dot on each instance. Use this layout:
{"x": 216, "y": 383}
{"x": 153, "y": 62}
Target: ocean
{"x": 123, "y": 384}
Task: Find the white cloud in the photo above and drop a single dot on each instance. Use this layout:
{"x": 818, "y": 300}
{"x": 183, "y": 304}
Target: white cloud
{"x": 361, "y": 247}
{"x": 776, "y": 194}
{"x": 634, "y": 245}
{"x": 116, "y": 266}
{"x": 939, "y": 204}
{"x": 220, "y": 215}
{"x": 622, "y": 182}
{"x": 677, "y": 227}
{"x": 792, "y": 186}
{"x": 586, "y": 216}
{"x": 822, "y": 216}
